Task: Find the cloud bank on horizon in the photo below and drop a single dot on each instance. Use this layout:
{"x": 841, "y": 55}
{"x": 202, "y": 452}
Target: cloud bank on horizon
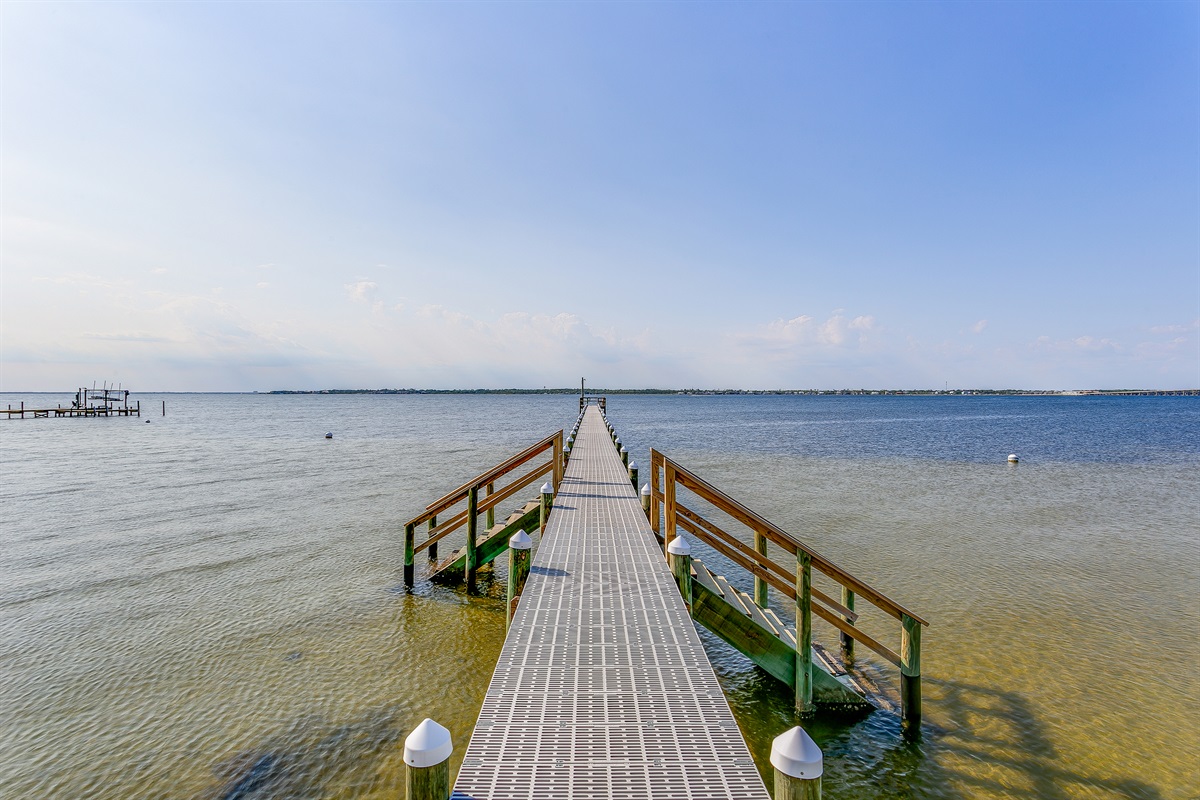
{"x": 231, "y": 197}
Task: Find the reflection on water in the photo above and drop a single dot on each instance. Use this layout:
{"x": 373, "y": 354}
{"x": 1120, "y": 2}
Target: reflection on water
{"x": 209, "y": 605}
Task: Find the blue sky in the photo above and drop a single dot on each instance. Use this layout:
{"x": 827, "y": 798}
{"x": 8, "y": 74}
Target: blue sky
{"x": 227, "y": 197}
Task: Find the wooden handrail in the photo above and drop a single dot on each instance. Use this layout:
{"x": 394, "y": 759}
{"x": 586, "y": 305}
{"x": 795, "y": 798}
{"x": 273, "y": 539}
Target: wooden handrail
{"x": 777, "y": 535}
{"x": 710, "y": 533}
{"x": 490, "y": 476}
{"x": 496, "y": 498}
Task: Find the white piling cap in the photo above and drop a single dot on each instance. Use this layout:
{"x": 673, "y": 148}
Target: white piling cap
{"x": 796, "y": 755}
{"x": 1012, "y": 458}
{"x": 632, "y": 464}
{"x": 646, "y": 489}
{"x": 679, "y": 547}
{"x": 520, "y": 541}
{"x": 547, "y": 488}
{"x": 623, "y": 450}
{"x": 428, "y": 745}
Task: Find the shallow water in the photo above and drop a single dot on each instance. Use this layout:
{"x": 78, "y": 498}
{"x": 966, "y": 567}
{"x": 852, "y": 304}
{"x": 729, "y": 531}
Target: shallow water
{"x": 207, "y": 604}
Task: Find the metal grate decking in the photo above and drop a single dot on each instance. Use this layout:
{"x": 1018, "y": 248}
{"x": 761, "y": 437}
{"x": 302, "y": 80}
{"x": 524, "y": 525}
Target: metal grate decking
{"x": 602, "y": 689}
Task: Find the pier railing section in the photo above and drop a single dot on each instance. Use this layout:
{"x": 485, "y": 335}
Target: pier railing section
{"x": 793, "y": 579}
{"x": 479, "y": 497}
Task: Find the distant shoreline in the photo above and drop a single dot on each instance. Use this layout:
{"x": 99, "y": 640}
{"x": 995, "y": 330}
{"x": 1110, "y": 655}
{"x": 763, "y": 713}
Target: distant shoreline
{"x": 767, "y": 392}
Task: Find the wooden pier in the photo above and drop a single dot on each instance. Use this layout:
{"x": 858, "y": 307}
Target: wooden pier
{"x": 602, "y": 688}
{"x": 104, "y": 402}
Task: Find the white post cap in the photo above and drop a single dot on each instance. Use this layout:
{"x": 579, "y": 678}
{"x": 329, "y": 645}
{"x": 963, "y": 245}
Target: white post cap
{"x": 623, "y": 450}
{"x": 1012, "y": 458}
{"x": 679, "y": 547}
{"x": 428, "y": 745}
{"x": 547, "y": 488}
{"x": 795, "y": 754}
{"x": 520, "y": 541}
{"x": 632, "y": 464}
{"x": 646, "y": 489}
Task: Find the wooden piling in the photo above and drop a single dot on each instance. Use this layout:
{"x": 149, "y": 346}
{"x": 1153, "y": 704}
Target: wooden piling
{"x": 547, "y": 499}
{"x": 410, "y": 546}
{"x": 646, "y": 499}
{"x": 798, "y": 763}
{"x": 804, "y": 666}
{"x": 910, "y": 674}
{"x": 519, "y": 552}
{"x": 633, "y": 474}
{"x": 433, "y": 547}
{"x": 679, "y": 556}
{"x": 427, "y": 753}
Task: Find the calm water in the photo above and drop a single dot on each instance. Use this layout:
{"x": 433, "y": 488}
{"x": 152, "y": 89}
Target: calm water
{"x": 206, "y": 604}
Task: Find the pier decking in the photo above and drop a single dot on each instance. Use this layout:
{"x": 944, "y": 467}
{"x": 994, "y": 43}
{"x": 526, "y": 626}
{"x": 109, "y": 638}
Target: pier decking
{"x": 603, "y": 689}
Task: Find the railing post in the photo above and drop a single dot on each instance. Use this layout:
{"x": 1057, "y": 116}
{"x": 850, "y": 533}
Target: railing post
{"x": 633, "y": 474}
{"x": 547, "y": 501}
{"x": 433, "y": 547}
{"x": 518, "y": 569}
{"x": 798, "y": 764}
{"x": 760, "y": 585}
{"x": 847, "y": 639}
{"x": 655, "y": 513}
{"x": 410, "y": 546}
{"x": 680, "y": 554}
{"x": 646, "y": 499}
{"x": 804, "y": 704}
{"x": 427, "y": 762}
{"x": 669, "y": 502}
{"x": 910, "y": 674}
{"x": 490, "y": 514}
{"x": 558, "y": 460}
{"x": 472, "y": 530}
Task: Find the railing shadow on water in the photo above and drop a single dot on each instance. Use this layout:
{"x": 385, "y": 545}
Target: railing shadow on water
{"x": 975, "y": 742}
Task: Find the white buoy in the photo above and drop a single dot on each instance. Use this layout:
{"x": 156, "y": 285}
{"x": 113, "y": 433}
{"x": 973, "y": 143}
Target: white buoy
{"x": 1012, "y": 458}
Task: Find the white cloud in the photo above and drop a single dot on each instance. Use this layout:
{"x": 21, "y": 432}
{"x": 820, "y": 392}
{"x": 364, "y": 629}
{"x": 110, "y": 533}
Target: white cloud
{"x": 364, "y": 291}
{"x": 1187, "y": 328}
{"x": 978, "y": 327}
{"x": 785, "y": 336}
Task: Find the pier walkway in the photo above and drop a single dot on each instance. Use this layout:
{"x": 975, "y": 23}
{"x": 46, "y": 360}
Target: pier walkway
{"x": 602, "y": 689}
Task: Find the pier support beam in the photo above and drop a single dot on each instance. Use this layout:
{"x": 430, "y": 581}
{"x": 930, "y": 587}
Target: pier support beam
{"x": 491, "y": 512}
{"x": 804, "y": 665}
{"x": 910, "y": 675}
{"x": 427, "y": 762}
{"x": 760, "y": 585}
{"x": 472, "y": 531}
{"x": 798, "y": 764}
{"x": 846, "y": 639}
